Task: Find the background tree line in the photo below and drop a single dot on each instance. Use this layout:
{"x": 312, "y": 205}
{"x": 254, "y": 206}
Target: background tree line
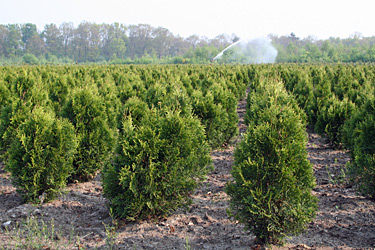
{"x": 142, "y": 43}
{"x": 353, "y": 49}
{"x": 91, "y": 42}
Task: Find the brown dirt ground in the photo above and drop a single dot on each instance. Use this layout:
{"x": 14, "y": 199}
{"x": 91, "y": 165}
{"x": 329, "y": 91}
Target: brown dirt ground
{"x": 345, "y": 220}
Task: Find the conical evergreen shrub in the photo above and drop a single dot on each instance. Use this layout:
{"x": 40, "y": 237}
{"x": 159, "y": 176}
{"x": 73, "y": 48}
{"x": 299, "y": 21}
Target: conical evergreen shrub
{"x": 219, "y": 123}
{"x": 96, "y": 140}
{"x": 273, "y": 180}
{"x": 159, "y": 162}
{"x": 267, "y": 92}
{"x": 359, "y": 137}
{"x": 27, "y": 93}
{"x": 332, "y": 115}
{"x": 41, "y": 154}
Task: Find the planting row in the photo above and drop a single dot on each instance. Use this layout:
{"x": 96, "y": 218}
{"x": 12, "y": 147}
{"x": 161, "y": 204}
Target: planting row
{"x": 150, "y": 129}
{"x": 339, "y": 101}
{"x": 273, "y": 180}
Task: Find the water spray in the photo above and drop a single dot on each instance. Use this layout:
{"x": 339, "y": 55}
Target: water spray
{"x": 258, "y": 50}
{"x": 222, "y": 52}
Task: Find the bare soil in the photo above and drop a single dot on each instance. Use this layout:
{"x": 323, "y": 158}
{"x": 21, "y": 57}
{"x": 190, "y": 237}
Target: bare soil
{"x": 345, "y": 220}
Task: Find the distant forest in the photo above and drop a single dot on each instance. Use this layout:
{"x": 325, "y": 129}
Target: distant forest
{"x": 124, "y": 44}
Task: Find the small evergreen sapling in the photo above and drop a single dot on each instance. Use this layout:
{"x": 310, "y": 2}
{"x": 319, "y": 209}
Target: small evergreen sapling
{"x": 332, "y": 115}
{"x": 359, "y": 137}
{"x": 271, "y": 190}
{"x": 87, "y": 112}
{"x": 41, "y": 154}
{"x": 160, "y": 161}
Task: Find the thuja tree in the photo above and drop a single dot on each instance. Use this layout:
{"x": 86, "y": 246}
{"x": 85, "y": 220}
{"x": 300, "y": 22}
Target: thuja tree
{"x": 159, "y": 162}
{"x": 267, "y": 92}
{"x": 136, "y": 108}
{"x": 169, "y": 95}
{"x": 27, "y": 92}
{"x": 331, "y": 117}
{"x": 359, "y": 137}
{"x": 41, "y": 154}
{"x": 272, "y": 178}
{"x": 303, "y": 90}
{"x": 220, "y": 123}
{"x": 5, "y": 94}
{"x": 87, "y": 112}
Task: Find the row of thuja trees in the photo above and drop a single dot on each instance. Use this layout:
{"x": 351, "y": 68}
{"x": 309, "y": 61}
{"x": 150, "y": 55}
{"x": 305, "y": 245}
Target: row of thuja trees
{"x": 273, "y": 180}
{"x": 271, "y": 190}
{"x": 149, "y": 129}
{"x": 339, "y": 101}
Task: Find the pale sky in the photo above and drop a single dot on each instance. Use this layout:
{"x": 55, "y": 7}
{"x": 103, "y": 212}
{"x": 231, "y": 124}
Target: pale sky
{"x": 246, "y": 18}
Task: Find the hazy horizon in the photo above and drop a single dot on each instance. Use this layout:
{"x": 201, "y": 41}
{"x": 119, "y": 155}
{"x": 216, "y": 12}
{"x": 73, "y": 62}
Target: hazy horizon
{"x": 320, "y": 19}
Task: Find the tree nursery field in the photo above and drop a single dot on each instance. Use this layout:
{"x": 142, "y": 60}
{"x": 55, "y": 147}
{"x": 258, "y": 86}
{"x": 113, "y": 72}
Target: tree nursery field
{"x": 187, "y": 157}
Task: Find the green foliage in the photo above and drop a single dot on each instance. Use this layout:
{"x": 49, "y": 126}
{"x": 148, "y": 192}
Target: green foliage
{"x": 26, "y": 92}
{"x": 303, "y": 90}
{"x": 271, "y": 190}
{"x": 160, "y": 161}
{"x": 30, "y": 59}
{"x": 41, "y": 154}
{"x": 331, "y": 117}
{"x": 168, "y": 95}
{"x": 362, "y": 172}
{"x": 220, "y": 123}
{"x": 59, "y": 90}
{"x": 87, "y": 112}
{"x": 5, "y": 135}
{"x": 137, "y": 109}
{"x": 267, "y": 92}
{"x": 144, "y": 44}
{"x": 333, "y": 50}
{"x": 357, "y": 130}
{"x": 359, "y": 137}
{"x": 5, "y": 94}
{"x": 108, "y": 90}
{"x": 339, "y": 101}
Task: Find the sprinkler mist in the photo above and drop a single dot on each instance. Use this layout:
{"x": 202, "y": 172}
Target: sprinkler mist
{"x": 222, "y": 52}
{"x": 248, "y": 51}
